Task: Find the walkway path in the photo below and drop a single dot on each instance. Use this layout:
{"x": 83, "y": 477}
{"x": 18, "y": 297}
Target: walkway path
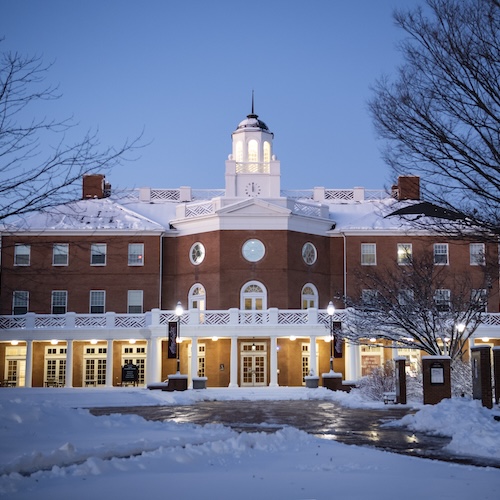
{"x": 324, "y": 419}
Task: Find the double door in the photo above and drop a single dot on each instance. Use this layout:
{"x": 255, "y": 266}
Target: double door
{"x": 253, "y": 364}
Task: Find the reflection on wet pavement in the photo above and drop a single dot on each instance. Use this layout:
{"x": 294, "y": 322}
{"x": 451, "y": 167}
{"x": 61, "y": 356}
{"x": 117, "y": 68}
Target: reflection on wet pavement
{"x": 325, "y": 419}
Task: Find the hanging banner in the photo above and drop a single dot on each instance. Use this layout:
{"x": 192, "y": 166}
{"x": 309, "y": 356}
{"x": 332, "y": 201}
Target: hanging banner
{"x": 172, "y": 339}
{"x": 337, "y": 340}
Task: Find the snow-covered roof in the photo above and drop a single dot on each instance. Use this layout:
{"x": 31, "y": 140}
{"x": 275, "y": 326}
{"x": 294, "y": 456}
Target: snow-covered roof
{"x": 85, "y": 215}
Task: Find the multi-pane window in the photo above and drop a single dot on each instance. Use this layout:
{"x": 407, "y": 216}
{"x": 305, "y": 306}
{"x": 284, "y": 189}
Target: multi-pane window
{"x": 136, "y": 254}
{"x": 135, "y": 298}
{"x": 476, "y": 254}
{"x": 441, "y": 254}
{"x": 98, "y": 254}
{"x": 479, "y": 297}
{"x": 253, "y": 151}
{"x": 59, "y": 301}
{"x": 60, "y": 254}
{"x": 368, "y": 254}
{"x": 404, "y": 254}
{"x": 97, "y": 301}
{"x": 20, "y": 300}
{"x": 442, "y": 298}
{"x": 22, "y": 254}
{"x": 405, "y": 297}
{"x": 309, "y": 296}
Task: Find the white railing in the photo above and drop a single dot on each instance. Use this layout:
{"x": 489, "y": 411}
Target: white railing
{"x": 253, "y": 167}
{"x": 197, "y": 209}
{"x": 32, "y": 321}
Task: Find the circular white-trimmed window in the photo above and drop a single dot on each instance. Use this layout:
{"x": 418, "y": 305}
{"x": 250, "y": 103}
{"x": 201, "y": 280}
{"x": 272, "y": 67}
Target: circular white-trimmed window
{"x": 197, "y": 253}
{"x": 253, "y": 250}
{"x": 309, "y": 253}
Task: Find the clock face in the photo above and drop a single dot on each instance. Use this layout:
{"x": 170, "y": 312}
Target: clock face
{"x": 252, "y": 189}
{"x": 253, "y": 250}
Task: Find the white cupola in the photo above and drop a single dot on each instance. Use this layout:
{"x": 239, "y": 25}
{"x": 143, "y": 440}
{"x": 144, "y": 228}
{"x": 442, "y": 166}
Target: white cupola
{"x": 252, "y": 170}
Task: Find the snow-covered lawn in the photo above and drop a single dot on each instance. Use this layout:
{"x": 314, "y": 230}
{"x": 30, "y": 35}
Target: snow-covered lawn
{"x": 53, "y": 448}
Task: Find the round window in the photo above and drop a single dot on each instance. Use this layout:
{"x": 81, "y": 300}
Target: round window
{"x": 309, "y": 253}
{"x": 197, "y": 253}
{"x": 253, "y": 250}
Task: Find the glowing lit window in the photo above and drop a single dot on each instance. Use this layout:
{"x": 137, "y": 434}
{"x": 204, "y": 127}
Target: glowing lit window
{"x": 136, "y": 254}
{"x": 404, "y": 254}
{"x": 238, "y": 152}
{"x": 267, "y": 152}
{"x": 253, "y": 151}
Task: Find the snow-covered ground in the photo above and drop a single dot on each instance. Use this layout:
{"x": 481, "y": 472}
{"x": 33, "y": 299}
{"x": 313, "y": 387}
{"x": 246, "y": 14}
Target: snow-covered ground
{"x": 53, "y": 448}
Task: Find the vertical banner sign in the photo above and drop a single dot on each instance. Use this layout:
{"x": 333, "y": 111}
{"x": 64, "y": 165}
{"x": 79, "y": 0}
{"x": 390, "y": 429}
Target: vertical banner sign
{"x": 172, "y": 338}
{"x": 337, "y": 340}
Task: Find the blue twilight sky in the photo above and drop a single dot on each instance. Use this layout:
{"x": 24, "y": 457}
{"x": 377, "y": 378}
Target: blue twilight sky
{"x": 183, "y": 71}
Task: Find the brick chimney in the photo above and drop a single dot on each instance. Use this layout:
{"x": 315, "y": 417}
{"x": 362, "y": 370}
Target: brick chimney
{"x": 94, "y": 186}
{"x": 408, "y": 187}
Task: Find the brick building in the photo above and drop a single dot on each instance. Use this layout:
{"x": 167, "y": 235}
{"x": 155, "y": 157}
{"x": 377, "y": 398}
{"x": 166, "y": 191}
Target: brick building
{"x": 91, "y": 286}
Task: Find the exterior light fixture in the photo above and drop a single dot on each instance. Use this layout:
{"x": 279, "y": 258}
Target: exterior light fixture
{"x": 331, "y": 311}
{"x": 179, "y": 310}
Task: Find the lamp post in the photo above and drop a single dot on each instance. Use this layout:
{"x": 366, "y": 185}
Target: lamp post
{"x": 178, "y": 312}
{"x": 331, "y": 311}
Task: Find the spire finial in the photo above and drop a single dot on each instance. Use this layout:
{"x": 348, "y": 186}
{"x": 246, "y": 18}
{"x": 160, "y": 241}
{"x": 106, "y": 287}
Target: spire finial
{"x": 252, "y": 103}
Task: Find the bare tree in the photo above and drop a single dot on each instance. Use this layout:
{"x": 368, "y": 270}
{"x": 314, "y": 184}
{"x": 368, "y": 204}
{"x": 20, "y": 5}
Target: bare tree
{"x": 39, "y": 167}
{"x": 440, "y": 116}
{"x": 419, "y": 305}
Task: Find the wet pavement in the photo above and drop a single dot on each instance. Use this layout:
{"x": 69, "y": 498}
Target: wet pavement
{"x": 324, "y": 419}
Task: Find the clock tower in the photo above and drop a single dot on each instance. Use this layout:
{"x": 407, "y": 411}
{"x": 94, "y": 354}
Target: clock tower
{"x": 252, "y": 170}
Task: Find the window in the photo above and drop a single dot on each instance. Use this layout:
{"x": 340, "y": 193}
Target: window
{"x": 253, "y": 151}
{"x": 22, "y": 254}
{"x": 20, "y": 301}
{"x": 98, "y": 254}
{"x": 59, "y": 301}
{"x": 60, "y": 254}
{"x": 404, "y": 254}
{"x": 369, "y": 297}
{"x": 267, "y": 152}
{"x": 479, "y": 297}
{"x": 196, "y": 300}
{"x": 309, "y": 296}
{"x": 441, "y": 254}
{"x": 97, "y": 301}
{"x": 136, "y": 254}
{"x": 405, "y": 297}
{"x": 239, "y": 151}
{"x": 253, "y": 296}
{"x": 368, "y": 254}
{"x": 476, "y": 254}
{"x": 134, "y": 301}
{"x": 197, "y": 253}
{"x": 253, "y": 250}
{"x": 309, "y": 253}
{"x": 442, "y": 299}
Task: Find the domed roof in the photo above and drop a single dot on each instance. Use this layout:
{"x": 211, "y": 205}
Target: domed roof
{"x": 252, "y": 121}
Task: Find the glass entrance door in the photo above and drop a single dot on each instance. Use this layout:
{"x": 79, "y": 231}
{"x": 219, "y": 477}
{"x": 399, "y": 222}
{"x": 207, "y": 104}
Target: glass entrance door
{"x": 253, "y": 364}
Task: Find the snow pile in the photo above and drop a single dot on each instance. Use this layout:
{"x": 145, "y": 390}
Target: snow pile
{"x": 472, "y": 428}
{"x": 52, "y": 447}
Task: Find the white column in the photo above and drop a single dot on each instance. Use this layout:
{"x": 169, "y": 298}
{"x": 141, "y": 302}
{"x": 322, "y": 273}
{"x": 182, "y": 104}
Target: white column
{"x": 69, "y": 364}
{"x": 109, "y": 364}
{"x": 28, "y": 380}
{"x": 233, "y": 374}
{"x": 353, "y": 371}
{"x": 153, "y": 361}
{"x": 194, "y": 357}
{"x": 313, "y": 358}
{"x": 274, "y": 362}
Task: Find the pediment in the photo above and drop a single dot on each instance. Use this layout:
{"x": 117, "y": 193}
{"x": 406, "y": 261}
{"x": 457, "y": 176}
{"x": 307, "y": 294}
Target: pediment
{"x": 253, "y": 207}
